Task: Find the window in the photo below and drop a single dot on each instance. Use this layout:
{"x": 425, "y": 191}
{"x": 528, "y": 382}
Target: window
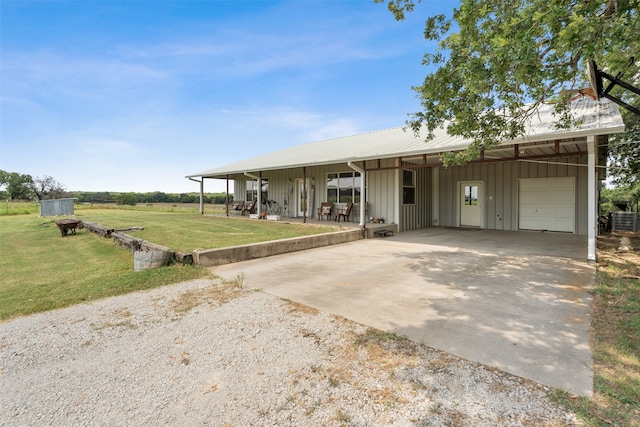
{"x": 471, "y": 195}
{"x": 408, "y": 187}
{"x": 252, "y": 189}
{"x": 265, "y": 190}
{"x": 343, "y": 187}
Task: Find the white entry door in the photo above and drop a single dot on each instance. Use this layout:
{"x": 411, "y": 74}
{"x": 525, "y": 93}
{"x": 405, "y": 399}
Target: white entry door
{"x": 470, "y": 204}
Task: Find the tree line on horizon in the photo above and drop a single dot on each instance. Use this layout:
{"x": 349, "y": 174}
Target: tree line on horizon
{"x": 133, "y": 198}
{"x": 16, "y": 186}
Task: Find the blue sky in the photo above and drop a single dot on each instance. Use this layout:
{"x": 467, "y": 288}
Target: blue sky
{"x": 134, "y": 95}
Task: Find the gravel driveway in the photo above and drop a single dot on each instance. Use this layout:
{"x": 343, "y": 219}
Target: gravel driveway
{"x": 210, "y": 353}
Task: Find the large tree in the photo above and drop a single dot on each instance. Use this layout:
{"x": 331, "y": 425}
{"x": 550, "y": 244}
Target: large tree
{"x": 47, "y": 187}
{"x": 498, "y": 60}
{"x": 624, "y": 154}
{"x": 624, "y": 159}
{"x": 17, "y": 186}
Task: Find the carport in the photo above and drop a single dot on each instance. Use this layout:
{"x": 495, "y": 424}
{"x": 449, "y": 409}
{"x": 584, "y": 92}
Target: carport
{"x": 517, "y": 301}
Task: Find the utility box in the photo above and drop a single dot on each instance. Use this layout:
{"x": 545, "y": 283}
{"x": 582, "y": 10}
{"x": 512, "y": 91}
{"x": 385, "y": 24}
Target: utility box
{"x": 56, "y": 207}
{"x": 624, "y": 221}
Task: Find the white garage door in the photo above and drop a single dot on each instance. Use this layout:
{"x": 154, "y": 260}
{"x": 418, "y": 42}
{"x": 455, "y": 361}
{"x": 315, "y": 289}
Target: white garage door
{"x": 547, "y": 204}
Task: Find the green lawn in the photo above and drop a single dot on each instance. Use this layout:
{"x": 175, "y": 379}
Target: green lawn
{"x": 186, "y": 232}
{"x": 40, "y": 270}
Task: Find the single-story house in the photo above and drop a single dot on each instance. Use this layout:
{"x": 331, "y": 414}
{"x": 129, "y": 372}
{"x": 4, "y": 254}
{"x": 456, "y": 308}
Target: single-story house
{"x": 548, "y": 180}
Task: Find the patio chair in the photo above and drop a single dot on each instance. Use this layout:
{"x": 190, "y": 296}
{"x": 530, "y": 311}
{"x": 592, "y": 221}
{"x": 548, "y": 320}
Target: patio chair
{"x": 238, "y": 206}
{"x": 325, "y": 210}
{"x": 249, "y": 208}
{"x": 344, "y": 213}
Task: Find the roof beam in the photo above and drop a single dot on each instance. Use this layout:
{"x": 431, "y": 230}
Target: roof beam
{"x": 505, "y": 159}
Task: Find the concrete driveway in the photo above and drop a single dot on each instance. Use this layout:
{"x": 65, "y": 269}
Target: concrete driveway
{"x": 517, "y": 301}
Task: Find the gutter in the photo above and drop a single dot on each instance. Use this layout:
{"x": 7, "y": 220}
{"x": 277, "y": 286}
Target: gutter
{"x": 363, "y": 202}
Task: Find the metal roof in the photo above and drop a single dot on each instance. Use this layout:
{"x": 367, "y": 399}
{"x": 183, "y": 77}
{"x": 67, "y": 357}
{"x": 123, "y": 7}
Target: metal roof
{"x": 596, "y": 118}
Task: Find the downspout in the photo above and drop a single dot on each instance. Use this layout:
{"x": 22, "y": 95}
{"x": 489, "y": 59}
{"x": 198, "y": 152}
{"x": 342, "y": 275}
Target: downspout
{"x": 201, "y": 193}
{"x": 362, "y": 192}
{"x": 592, "y": 206}
{"x": 259, "y": 201}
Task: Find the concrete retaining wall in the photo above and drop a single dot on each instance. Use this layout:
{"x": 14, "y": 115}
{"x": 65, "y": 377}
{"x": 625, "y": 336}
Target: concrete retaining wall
{"x": 213, "y": 257}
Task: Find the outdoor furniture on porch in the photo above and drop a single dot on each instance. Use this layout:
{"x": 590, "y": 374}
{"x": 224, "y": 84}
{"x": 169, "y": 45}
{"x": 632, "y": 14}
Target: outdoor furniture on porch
{"x": 344, "y": 213}
{"x": 325, "y": 210}
{"x": 238, "y": 206}
{"x": 251, "y": 207}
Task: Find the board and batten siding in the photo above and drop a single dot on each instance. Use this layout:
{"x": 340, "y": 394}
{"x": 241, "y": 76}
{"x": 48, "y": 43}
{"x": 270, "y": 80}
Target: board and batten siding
{"x": 417, "y": 215}
{"x": 282, "y": 187}
{"x": 500, "y": 182}
{"x": 382, "y": 192}
{"x": 239, "y": 187}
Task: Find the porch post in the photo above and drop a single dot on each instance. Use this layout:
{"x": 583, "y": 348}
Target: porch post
{"x": 591, "y": 198}
{"x": 226, "y": 201}
{"x": 304, "y": 195}
{"x": 202, "y": 196}
{"x": 259, "y": 208}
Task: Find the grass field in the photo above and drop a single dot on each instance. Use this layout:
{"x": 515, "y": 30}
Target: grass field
{"x": 40, "y": 270}
{"x": 186, "y": 232}
{"x": 18, "y": 208}
{"x": 158, "y": 207}
{"x": 23, "y": 208}
{"x": 615, "y": 338}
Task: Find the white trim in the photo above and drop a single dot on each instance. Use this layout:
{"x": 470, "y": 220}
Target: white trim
{"x": 363, "y": 202}
{"x": 397, "y": 196}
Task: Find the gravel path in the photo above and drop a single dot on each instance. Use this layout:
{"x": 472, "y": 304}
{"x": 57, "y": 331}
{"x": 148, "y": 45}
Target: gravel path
{"x": 209, "y": 353}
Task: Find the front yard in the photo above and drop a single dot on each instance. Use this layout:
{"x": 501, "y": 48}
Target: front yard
{"x": 40, "y": 270}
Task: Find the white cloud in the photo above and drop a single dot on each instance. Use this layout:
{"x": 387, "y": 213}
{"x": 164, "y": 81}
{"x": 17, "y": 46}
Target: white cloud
{"x": 102, "y": 146}
{"x": 22, "y": 70}
{"x": 142, "y": 110}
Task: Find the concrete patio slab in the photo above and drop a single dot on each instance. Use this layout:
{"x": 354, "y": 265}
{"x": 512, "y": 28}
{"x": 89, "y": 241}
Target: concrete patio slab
{"x": 516, "y": 301}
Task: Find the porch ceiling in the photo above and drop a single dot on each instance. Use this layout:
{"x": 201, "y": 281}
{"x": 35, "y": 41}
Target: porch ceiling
{"x": 567, "y": 147}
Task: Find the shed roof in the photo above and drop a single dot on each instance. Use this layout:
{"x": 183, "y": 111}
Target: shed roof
{"x": 596, "y": 118}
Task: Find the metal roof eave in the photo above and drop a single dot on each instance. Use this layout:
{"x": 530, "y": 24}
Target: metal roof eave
{"x": 566, "y": 133}
{"x": 599, "y": 119}
{"x": 563, "y": 134}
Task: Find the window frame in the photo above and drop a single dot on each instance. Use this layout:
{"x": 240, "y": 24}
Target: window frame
{"x": 408, "y": 186}
{"x": 251, "y": 192}
{"x": 472, "y": 196}
{"x": 338, "y": 192}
